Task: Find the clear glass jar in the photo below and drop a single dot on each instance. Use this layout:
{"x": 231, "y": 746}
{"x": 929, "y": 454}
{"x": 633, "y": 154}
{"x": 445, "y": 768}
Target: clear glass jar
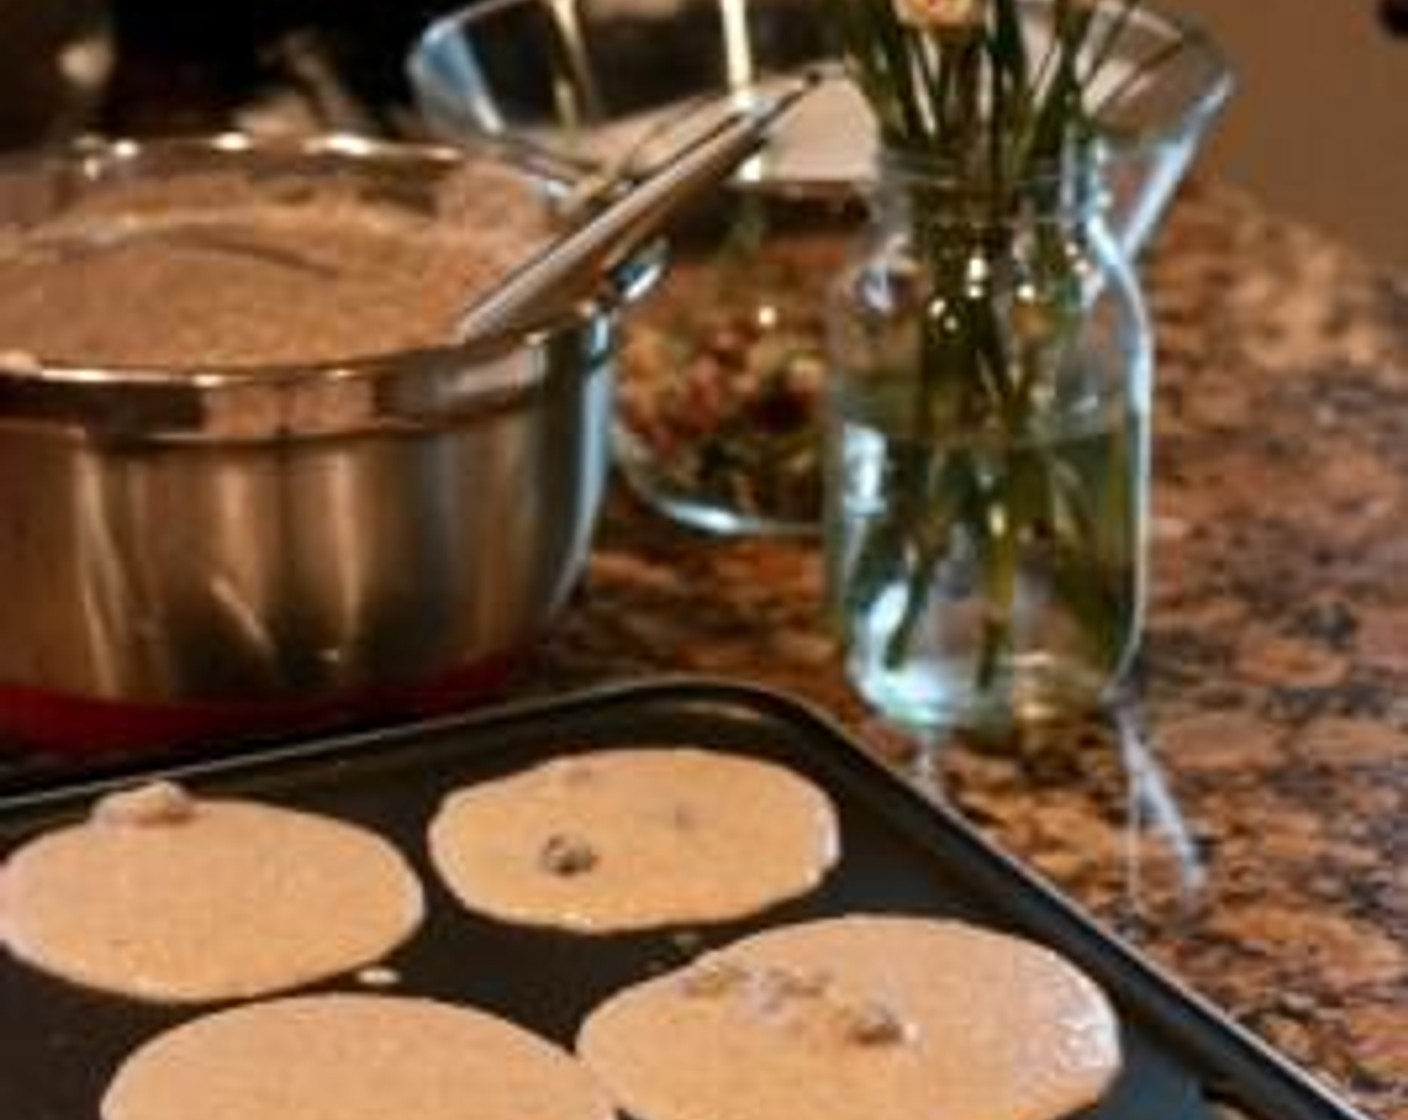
{"x": 987, "y": 417}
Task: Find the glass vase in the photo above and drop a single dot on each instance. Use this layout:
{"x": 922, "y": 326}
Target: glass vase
{"x": 987, "y": 433}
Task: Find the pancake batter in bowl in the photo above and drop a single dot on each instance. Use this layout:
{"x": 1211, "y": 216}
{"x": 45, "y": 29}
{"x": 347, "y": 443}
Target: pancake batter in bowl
{"x": 635, "y": 839}
{"x": 352, "y": 1057}
{"x": 209, "y": 270}
{"x": 859, "y": 1018}
{"x": 166, "y": 897}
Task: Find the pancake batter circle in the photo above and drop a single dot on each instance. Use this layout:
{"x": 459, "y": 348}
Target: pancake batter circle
{"x": 632, "y": 839}
{"x": 859, "y": 1018}
{"x": 352, "y": 1057}
{"x": 171, "y": 898}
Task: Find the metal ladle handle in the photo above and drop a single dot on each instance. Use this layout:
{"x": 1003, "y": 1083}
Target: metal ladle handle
{"x": 577, "y": 259}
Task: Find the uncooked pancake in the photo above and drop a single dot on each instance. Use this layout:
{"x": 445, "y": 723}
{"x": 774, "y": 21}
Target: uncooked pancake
{"x": 167, "y": 897}
{"x": 352, "y": 1057}
{"x": 859, "y": 1018}
{"x": 635, "y": 839}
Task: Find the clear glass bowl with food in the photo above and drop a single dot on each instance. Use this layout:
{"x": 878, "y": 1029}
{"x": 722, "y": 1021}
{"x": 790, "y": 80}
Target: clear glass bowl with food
{"x": 718, "y": 424}
{"x": 721, "y": 375}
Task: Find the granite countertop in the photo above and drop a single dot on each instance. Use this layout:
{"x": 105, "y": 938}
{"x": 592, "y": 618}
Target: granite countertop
{"x": 1252, "y": 838}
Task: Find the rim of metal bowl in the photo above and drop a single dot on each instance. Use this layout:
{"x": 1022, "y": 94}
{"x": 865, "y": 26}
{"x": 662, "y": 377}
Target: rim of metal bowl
{"x": 397, "y": 389}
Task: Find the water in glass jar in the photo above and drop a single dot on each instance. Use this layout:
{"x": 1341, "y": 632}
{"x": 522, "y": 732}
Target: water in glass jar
{"x": 981, "y": 581}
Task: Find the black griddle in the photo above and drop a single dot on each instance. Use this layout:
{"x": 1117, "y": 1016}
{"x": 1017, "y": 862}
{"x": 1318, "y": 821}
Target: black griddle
{"x": 59, "y": 1044}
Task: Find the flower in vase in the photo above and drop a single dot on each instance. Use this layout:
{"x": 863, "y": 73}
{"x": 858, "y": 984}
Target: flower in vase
{"x": 942, "y": 16}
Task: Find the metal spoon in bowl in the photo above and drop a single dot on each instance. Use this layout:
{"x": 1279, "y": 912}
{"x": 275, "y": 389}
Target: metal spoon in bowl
{"x": 574, "y": 262}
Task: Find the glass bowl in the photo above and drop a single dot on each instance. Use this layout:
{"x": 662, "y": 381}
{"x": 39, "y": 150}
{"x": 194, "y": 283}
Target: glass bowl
{"x": 718, "y": 424}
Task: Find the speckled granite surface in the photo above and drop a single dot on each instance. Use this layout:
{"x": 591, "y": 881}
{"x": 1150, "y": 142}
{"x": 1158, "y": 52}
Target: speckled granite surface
{"x": 1255, "y": 839}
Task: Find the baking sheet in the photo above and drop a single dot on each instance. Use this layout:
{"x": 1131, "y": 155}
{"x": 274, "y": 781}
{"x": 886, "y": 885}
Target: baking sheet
{"x": 900, "y": 853}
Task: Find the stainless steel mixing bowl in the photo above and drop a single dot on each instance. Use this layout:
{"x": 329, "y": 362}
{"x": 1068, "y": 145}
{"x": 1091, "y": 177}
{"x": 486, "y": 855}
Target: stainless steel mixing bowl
{"x": 202, "y": 553}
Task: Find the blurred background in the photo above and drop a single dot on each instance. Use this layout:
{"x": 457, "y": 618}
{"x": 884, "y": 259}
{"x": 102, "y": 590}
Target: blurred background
{"x": 1319, "y": 124}
{"x": 1318, "y": 127}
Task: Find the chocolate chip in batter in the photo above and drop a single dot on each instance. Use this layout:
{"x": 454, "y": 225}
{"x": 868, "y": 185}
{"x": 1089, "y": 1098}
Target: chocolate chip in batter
{"x": 872, "y": 1023}
{"x": 567, "y": 855}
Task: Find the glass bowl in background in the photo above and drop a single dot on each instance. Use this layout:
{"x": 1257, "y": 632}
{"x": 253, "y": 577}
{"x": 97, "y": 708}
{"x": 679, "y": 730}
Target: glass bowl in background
{"x": 718, "y": 423}
{"x": 718, "y": 418}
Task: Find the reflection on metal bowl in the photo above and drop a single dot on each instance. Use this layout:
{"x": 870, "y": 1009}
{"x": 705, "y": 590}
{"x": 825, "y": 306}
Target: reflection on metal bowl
{"x": 203, "y": 553}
